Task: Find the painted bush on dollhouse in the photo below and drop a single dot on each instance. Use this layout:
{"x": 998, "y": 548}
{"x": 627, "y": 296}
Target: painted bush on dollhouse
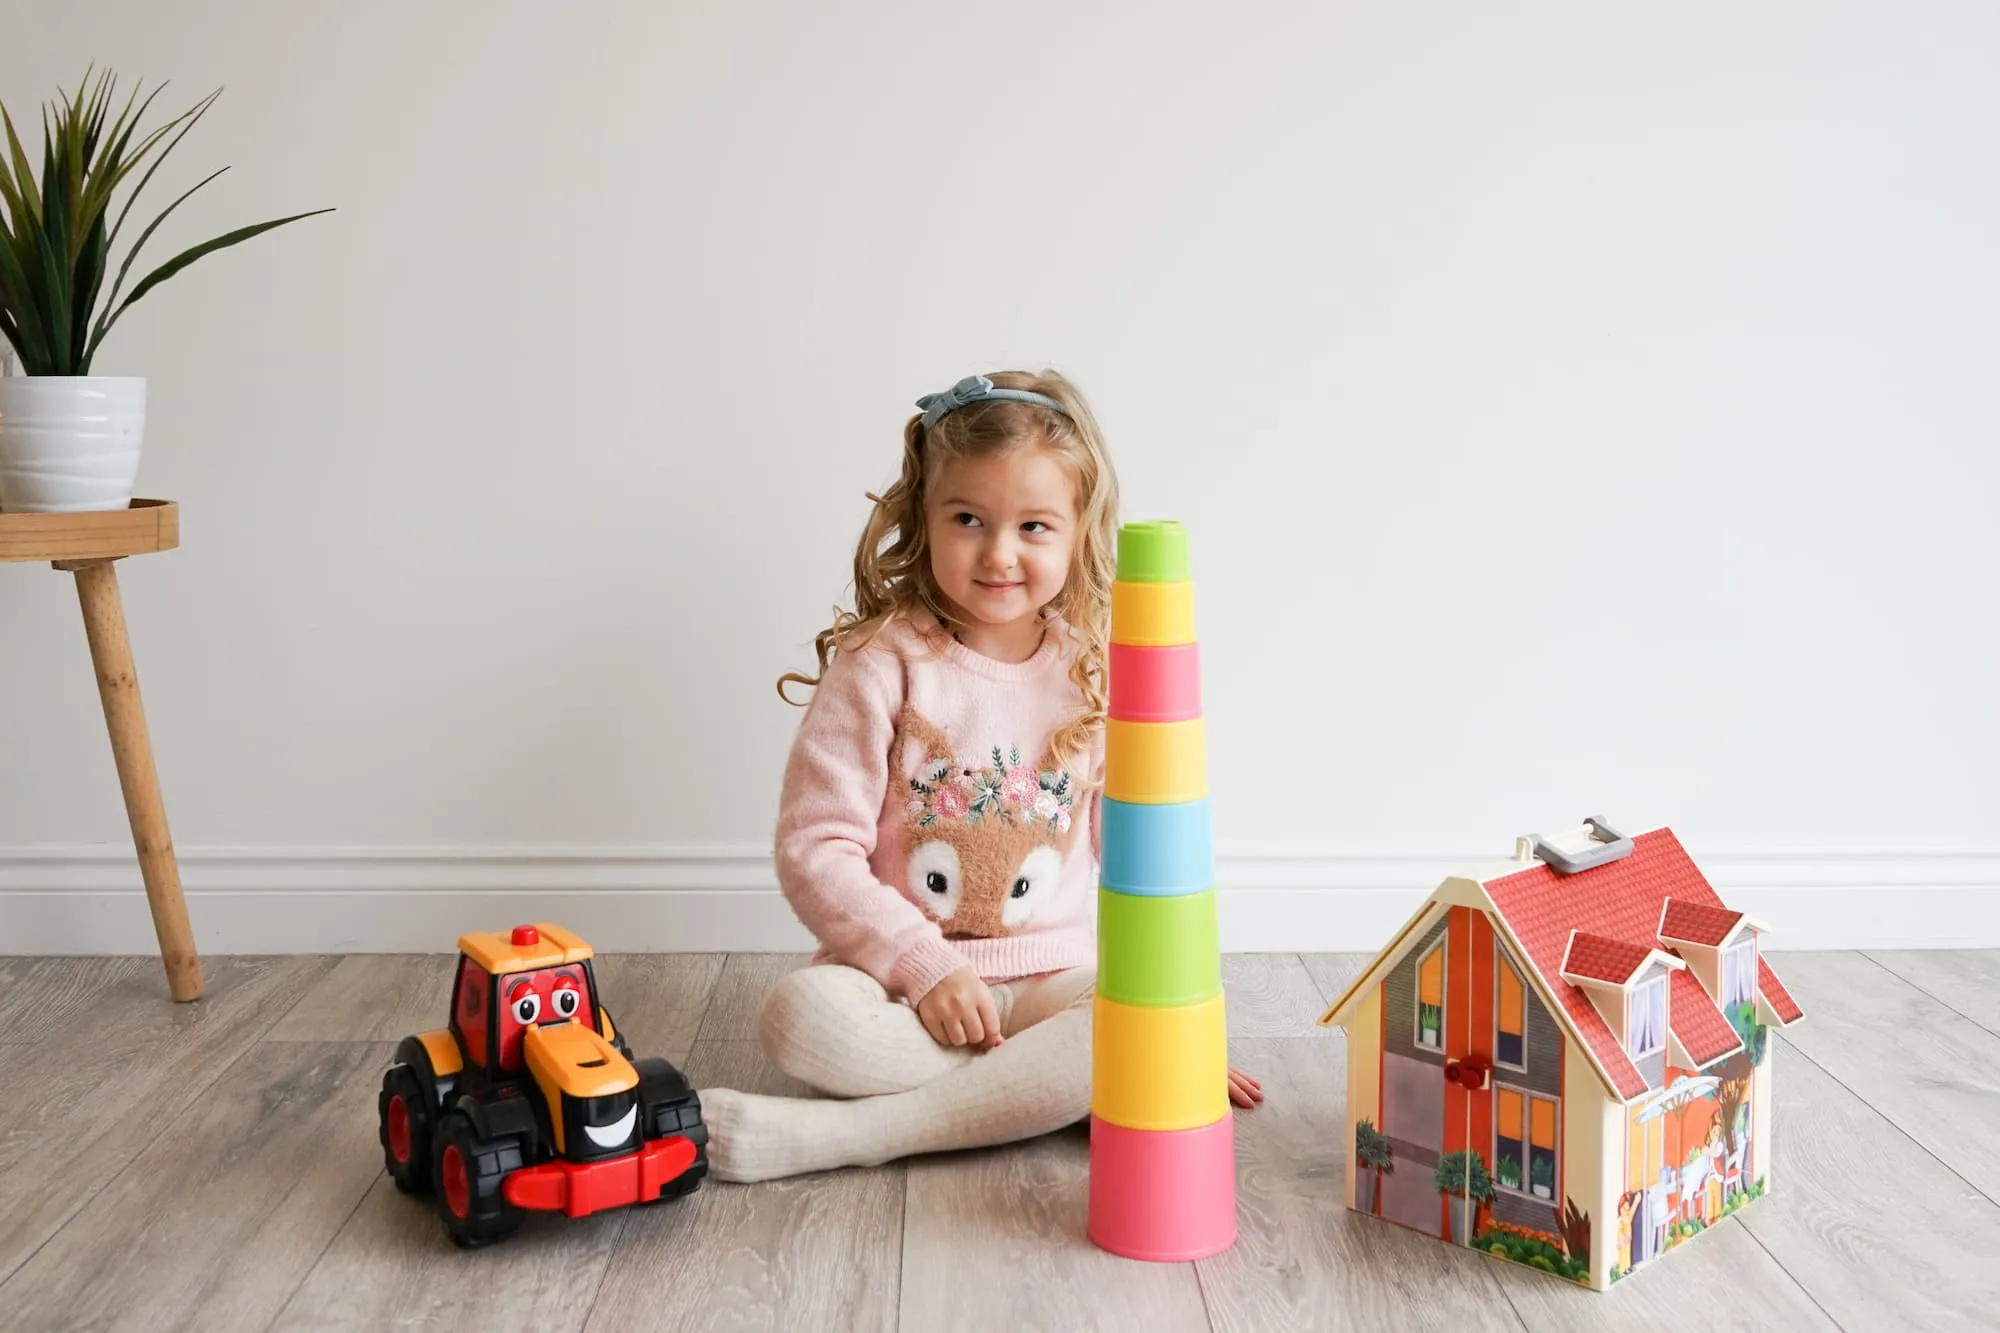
{"x": 1593, "y": 1003}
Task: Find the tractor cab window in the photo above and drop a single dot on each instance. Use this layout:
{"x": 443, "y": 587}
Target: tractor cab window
{"x": 468, "y": 1010}
{"x": 547, "y": 995}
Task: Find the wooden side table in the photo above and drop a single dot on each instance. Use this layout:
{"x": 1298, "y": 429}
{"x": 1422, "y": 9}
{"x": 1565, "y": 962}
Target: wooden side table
{"x": 88, "y": 546}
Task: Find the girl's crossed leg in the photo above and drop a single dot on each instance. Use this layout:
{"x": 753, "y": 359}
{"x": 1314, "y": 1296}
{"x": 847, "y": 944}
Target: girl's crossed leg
{"x": 896, "y": 1091}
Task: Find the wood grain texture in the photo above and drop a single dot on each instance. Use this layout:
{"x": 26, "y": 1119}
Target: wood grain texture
{"x": 994, "y": 1240}
{"x": 141, "y": 528}
{"x": 138, "y": 779}
{"x": 1874, "y": 1227}
{"x": 739, "y": 993}
{"x": 1269, "y": 995}
{"x": 1302, "y": 1259}
{"x": 658, "y": 1002}
{"x": 818, "y": 1251}
{"x": 392, "y": 1266}
{"x": 220, "y": 1216}
{"x": 1931, "y": 1071}
{"x": 65, "y": 1000}
{"x": 1743, "y": 1289}
{"x": 372, "y": 997}
{"x": 1966, "y": 981}
{"x": 77, "y": 1111}
{"x": 163, "y": 1149}
{"x": 1334, "y": 973}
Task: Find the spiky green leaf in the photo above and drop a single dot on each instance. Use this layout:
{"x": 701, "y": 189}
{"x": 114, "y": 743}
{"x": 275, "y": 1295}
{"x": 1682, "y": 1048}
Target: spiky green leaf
{"x": 24, "y": 175}
{"x": 18, "y": 295}
{"x": 191, "y": 116}
{"x": 191, "y": 254}
{"x": 104, "y": 320}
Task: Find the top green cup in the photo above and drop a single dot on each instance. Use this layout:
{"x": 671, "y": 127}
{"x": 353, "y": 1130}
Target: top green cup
{"x": 1153, "y": 552}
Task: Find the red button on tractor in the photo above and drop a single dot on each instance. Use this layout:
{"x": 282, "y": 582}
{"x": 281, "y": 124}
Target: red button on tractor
{"x": 526, "y": 935}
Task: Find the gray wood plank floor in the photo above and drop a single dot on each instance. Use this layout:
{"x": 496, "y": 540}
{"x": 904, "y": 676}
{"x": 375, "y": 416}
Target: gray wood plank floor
{"x": 214, "y": 1166}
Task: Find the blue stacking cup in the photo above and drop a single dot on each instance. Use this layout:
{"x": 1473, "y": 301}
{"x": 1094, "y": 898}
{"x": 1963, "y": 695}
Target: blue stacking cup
{"x": 1157, "y": 850}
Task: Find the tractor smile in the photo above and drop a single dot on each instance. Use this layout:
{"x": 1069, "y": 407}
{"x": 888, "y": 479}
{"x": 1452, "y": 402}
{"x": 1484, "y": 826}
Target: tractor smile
{"x": 615, "y": 1133}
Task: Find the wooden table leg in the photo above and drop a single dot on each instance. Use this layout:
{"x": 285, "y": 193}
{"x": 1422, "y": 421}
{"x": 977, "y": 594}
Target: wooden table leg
{"x": 132, "y": 749}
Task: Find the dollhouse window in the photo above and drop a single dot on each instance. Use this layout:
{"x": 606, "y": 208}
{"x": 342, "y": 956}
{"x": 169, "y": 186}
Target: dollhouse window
{"x": 1510, "y": 1045}
{"x": 1524, "y": 1142}
{"x": 1430, "y": 998}
{"x": 1739, "y": 973}
{"x": 1646, "y": 1023}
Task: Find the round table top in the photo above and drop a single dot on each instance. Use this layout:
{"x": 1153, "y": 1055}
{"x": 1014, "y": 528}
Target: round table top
{"x": 141, "y": 528}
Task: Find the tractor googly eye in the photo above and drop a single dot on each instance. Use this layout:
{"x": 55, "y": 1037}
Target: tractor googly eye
{"x": 566, "y": 1000}
{"x": 528, "y": 1008}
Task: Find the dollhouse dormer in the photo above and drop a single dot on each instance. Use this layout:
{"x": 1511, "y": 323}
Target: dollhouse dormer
{"x": 1628, "y": 986}
{"x": 1720, "y": 947}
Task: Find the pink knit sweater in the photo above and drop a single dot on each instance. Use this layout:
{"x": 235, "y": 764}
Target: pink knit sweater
{"x": 923, "y": 823}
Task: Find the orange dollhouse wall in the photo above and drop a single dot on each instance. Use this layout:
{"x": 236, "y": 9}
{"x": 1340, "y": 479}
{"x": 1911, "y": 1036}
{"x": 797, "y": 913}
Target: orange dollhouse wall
{"x": 1402, "y": 1089}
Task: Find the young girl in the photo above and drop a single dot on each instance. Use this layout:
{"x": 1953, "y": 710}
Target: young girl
{"x": 937, "y": 830}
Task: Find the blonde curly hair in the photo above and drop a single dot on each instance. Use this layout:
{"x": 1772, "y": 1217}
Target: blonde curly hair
{"x": 892, "y": 568}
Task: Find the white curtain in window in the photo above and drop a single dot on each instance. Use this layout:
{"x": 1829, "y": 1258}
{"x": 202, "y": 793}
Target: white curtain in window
{"x": 1739, "y": 973}
{"x": 1649, "y": 1018}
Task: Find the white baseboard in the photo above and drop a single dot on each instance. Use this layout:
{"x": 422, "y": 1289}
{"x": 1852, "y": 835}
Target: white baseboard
{"x": 249, "y": 900}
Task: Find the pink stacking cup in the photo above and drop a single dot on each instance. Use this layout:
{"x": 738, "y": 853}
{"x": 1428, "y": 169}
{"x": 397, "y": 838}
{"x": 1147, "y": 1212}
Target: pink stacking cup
{"x": 1166, "y": 1196}
{"x": 1155, "y": 684}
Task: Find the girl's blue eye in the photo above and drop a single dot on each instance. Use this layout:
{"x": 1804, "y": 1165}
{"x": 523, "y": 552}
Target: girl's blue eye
{"x": 1033, "y": 525}
{"x": 964, "y": 520}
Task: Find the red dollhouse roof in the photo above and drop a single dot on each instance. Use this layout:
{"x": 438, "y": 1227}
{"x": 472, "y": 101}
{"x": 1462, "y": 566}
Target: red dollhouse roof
{"x": 1776, "y": 995}
{"x": 1622, "y": 901}
{"x": 1697, "y": 923}
{"x": 1696, "y": 1022}
{"x": 1601, "y": 958}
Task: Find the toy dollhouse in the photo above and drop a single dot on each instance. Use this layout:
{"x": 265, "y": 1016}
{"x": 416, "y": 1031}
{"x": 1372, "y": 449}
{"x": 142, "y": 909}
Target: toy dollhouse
{"x": 1565, "y": 1062}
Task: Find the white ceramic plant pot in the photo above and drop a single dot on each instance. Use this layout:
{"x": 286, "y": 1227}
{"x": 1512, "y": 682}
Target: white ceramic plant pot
{"x": 69, "y": 443}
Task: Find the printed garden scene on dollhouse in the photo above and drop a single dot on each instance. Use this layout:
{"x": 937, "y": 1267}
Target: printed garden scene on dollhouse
{"x": 1564, "y": 1061}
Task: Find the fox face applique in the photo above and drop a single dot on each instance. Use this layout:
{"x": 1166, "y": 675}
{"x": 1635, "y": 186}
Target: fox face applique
{"x": 987, "y": 835}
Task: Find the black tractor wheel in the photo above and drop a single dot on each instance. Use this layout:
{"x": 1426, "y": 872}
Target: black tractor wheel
{"x": 467, "y": 1178}
{"x": 408, "y": 1114}
{"x": 670, "y": 1107}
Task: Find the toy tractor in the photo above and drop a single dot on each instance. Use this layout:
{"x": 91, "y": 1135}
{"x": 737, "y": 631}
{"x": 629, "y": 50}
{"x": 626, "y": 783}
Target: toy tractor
{"x": 530, "y": 1100}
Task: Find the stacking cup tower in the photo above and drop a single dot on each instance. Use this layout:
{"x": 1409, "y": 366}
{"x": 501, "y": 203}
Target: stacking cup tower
{"x": 1162, "y": 1143}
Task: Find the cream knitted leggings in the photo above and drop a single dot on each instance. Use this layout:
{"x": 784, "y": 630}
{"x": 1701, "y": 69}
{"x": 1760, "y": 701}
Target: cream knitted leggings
{"x": 892, "y": 1090}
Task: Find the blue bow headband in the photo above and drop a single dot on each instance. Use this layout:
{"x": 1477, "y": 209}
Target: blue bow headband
{"x": 977, "y": 389}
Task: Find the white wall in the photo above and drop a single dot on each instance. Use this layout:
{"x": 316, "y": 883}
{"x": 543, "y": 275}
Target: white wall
{"x": 1577, "y": 412}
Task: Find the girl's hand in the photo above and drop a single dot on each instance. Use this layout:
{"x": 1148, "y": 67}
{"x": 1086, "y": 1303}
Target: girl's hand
{"x": 1244, "y": 1090}
{"x": 959, "y": 1011}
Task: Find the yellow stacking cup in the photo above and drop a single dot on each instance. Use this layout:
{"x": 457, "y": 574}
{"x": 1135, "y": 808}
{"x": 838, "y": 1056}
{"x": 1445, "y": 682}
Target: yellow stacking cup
{"x": 1151, "y": 615}
{"x": 1159, "y": 1067}
{"x": 1156, "y": 763}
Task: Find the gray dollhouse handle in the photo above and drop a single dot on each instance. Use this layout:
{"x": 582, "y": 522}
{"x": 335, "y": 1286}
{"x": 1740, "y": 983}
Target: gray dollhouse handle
{"x": 1611, "y": 845}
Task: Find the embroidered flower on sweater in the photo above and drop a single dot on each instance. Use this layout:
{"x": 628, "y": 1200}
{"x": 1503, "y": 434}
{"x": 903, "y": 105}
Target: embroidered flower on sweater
{"x": 987, "y": 839}
{"x": 1006, "y": 789}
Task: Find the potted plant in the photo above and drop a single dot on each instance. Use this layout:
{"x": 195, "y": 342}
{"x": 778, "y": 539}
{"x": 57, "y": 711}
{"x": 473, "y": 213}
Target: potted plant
{"x": 1461, "y": 1177}
{"x": 1430, "y": 1018}
{"x": 1373, "y": 1153}
{"x": 1508, "y": 1171}
{"x": 70, "y": 440}
{"x": 1542, "y": 1177}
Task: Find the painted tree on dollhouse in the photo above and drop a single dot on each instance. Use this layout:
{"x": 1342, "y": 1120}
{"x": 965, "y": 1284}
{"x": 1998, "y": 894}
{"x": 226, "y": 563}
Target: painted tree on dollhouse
{"x": 1565, "y": 1062}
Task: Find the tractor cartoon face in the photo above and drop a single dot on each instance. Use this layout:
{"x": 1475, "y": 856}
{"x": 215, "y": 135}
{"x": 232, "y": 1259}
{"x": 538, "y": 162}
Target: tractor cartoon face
{"x": 530, "y": 1100}
{"x": 491, "y": 1012}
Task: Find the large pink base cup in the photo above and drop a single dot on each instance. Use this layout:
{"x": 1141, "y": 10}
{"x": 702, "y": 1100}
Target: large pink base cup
{"x": 1163, "y": 1196}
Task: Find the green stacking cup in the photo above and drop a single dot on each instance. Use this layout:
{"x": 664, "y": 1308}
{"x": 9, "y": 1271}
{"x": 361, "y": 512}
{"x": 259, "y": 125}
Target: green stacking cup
{"x": 1157, "y": 951}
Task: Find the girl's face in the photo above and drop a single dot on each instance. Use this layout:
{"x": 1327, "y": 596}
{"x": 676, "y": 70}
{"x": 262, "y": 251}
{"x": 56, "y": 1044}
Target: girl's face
{"x": 1002, "y": 532}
